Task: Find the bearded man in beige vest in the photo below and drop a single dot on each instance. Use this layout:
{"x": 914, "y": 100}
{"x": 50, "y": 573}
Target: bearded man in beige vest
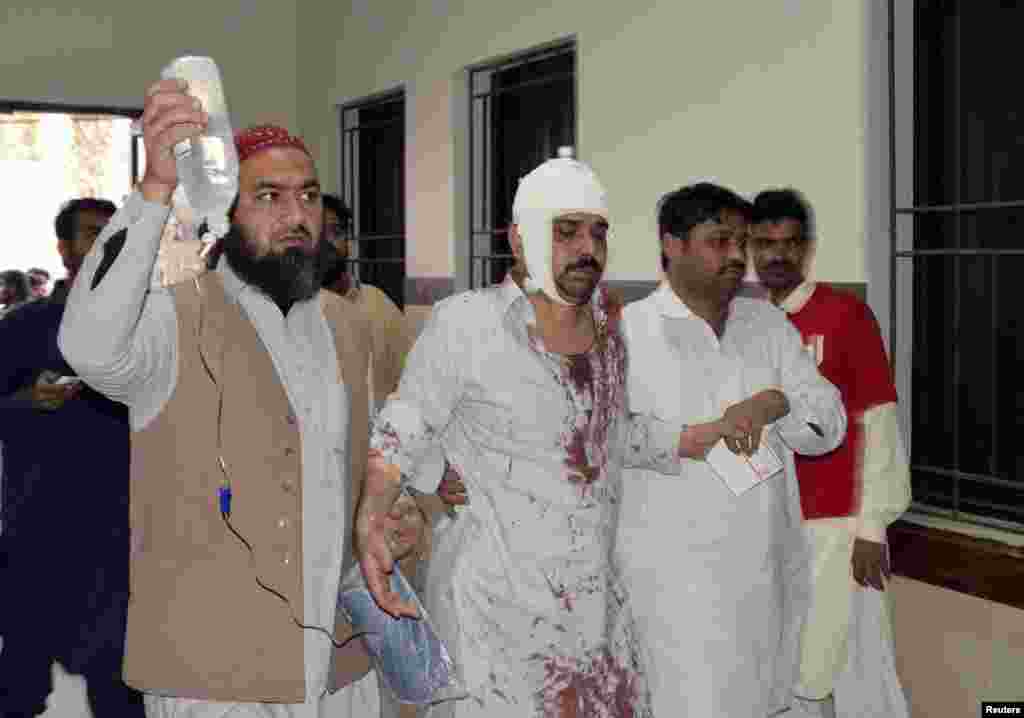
{"x": 248, "y": 379}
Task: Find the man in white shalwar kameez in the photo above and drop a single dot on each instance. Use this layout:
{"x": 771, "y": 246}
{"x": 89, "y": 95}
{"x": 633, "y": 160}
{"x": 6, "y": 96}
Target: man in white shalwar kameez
{"x": 850, "y": 496}
{"x": 718, "y": 580}
{"x": 524, "y": 388}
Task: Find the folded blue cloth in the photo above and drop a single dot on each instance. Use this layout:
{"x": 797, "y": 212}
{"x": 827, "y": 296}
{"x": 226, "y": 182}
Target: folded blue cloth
{"x": 413, "y": 661}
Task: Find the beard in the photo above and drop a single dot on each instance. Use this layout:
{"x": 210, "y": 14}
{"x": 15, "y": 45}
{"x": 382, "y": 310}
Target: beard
{"x": 779, "y": 274}
{"x": 577, "y": 282}
{"x": 286, "y": 278}
{"x": 336, "y": 273}
{"x": 716, "y": 288}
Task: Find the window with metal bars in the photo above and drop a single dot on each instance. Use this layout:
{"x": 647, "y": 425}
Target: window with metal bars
{"x": 373, "y": 187}
{"x": 522, "y": 109}
{"x": 958, "y": 257}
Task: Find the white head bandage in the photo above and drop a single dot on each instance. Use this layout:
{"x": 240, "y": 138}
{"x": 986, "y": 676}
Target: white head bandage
{"x": 555, "y": 188}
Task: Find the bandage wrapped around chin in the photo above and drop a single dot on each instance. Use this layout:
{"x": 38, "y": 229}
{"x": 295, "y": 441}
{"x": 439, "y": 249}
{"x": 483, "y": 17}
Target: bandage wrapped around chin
{"x": 557, "y": 187}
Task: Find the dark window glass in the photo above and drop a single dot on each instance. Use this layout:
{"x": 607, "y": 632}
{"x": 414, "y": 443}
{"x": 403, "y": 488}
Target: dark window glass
{"x": 967, "y": 259}
{"x": 523, "y": 110}
{"x": 373, "y": 185}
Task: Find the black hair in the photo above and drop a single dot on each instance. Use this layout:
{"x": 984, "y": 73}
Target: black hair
{"x": 335, "y": 265}
{"x": 683, "y": 209}
{"x": 213, "y": 256}
{"x": 776, "y": 205}
{"x": 334, "y": 203}
{"x": 17, "y": 280}
{"x": 66, "y": 223}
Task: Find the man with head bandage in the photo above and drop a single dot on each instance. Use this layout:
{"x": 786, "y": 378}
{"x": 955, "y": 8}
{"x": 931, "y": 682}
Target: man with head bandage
{"x": 523, "y": 387}
{"x": 557, "y": 194}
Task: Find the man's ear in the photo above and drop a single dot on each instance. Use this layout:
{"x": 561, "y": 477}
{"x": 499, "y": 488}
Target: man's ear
{"x": 668, "y": 243}
{"x": 516, "y": 242}
{"x": 810, "y": 249}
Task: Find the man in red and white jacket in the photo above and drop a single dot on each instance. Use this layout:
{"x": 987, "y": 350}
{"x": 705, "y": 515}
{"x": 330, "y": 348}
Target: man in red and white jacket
{"x": 850, "y": 495}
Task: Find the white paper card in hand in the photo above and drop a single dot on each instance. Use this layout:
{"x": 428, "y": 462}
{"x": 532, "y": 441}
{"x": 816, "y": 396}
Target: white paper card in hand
{"x": 741, "y": 472}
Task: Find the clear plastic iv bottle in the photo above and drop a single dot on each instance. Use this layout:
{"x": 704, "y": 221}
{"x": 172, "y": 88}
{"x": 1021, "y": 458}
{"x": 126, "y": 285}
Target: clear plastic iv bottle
{"x": 207, "y": 165}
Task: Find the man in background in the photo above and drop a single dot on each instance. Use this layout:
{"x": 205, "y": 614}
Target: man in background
{"x": 849, "y": 496}
{"x": 719, "y": 577}
{"x": 77, "y": 226}
{"x": 39, "y": 280}
{"x": 392, "y": 337}
{"x": 15, "y": 290}
{"x": 64, "y": 549}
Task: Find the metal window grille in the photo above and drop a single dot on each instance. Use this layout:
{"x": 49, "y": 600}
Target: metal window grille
{"x": 373, "y": 188}
{"x": 522, "y": 109}
{"x": 957, "y": 258}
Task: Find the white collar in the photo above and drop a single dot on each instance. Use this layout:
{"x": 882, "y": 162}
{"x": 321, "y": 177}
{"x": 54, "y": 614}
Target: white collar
{"x": 798, "y": 298}
{"x": 509, "y": 293}
{"x": 233, "y": 284}
{"x": 669, "y": 304}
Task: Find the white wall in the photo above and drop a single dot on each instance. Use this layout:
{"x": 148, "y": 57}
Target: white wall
{"x": 749, "y": 93}
{"x": 109, "y": 51}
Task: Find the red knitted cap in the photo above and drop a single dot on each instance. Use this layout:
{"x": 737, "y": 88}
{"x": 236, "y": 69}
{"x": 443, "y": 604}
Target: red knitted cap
{"x": 264, "y": 137}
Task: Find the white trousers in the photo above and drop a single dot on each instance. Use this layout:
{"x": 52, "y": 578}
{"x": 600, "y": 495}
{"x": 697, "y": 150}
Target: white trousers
{"x": 359, "y": 700}
{"x": 867, "y": 686}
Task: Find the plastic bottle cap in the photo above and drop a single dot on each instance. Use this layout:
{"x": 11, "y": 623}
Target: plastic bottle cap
{"x": 566, "y": 152}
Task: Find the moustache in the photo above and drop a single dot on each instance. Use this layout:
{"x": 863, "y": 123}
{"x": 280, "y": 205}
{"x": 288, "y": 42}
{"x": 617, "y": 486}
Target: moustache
{"x": 297, "y": 232}
{"x": 734, "y": 267}
{"x": 585, "y": 263}
{"x": 779, "y": 266}
{"x": 301, "y": 235}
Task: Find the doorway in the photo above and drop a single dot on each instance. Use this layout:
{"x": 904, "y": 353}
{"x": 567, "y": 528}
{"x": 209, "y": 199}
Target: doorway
{"x": 48, "y": 155}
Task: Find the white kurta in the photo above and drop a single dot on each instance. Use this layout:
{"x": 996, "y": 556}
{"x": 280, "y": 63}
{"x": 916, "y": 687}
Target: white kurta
{"x": 522, "y": 585}
{"x": 840, "y": 643}
{"x": 124, "y": 340}
{"x": 719, "y": 582}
